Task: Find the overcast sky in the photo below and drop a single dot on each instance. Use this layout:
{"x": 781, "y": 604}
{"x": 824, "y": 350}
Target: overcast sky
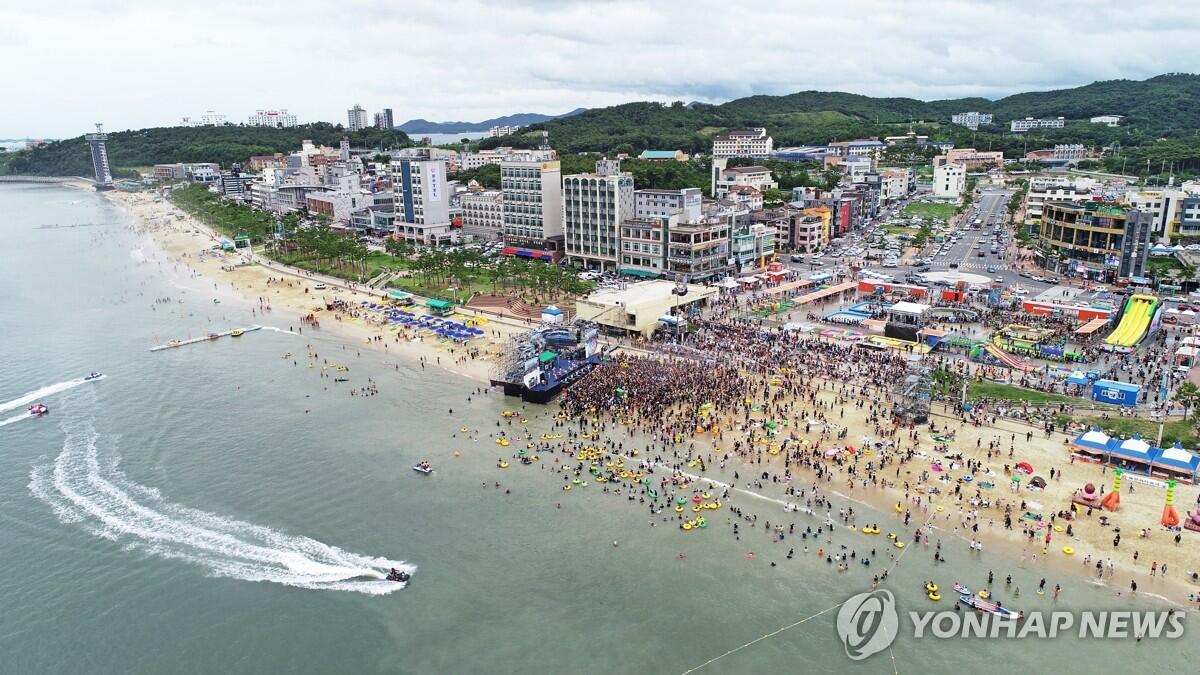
{"x": 136, "y": 63}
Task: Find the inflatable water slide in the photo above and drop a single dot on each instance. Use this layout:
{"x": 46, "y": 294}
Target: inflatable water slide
{"x": 1008, "y": 359}
{"x": 1139, "y": 311}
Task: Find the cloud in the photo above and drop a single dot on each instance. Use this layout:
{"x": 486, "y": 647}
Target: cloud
{"x": 139, "y": 63}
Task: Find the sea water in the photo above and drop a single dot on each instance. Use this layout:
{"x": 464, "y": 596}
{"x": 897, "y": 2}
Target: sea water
{"x": 217, "y": 509}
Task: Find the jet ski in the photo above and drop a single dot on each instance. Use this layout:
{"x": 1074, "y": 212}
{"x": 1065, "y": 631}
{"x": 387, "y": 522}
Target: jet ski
{"x": 93, "y": 376}
{"x": 423, "y": 467}
{"x": 37, "y": 410}
{"x": 397, "y": 575}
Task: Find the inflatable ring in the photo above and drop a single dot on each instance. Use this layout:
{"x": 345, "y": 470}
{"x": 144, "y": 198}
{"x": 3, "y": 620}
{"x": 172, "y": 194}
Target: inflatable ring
{"x": 575, "y": 482}
{"x": 687, "y": 525}
{"x": 678, "y": 509}
{"x": 701, "y": 524}
{"x": 1058, "y": 528}
{"x": 566, "y": 488}
{"x": 696, "y": 509}
{"x": 932, "y": 588}
{"x": 503, "y": 465}
{"x": 940, "y": 509}
{"x": 935, "y": 596}
{"x": 899, "y": 544}
{"x": 983, "y": 594}
{"x": 1041, "y": 592}
{"x": 1068, "y": 550}
{"x": 704, "y": 495}
{"x": 681, "y": 501}
{"x": 891, "y": 535}
{"x": 866, "y": 530}
{"x": 464, "y": 430}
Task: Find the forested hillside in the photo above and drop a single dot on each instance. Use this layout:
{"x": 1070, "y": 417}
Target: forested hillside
{"x": 221, "y": 144}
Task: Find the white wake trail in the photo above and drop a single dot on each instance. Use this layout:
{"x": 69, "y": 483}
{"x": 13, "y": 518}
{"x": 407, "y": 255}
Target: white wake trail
{"x": 38, "y": 394}
{"x": 15, "y": 418}
{"x": 98, "y": 496}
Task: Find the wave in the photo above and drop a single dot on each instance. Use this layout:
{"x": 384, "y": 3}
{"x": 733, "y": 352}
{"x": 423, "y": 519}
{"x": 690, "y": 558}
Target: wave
{"x": 37, "y": 394}
{"x": 96, "y": 495}
{"x": 16, "y": 418}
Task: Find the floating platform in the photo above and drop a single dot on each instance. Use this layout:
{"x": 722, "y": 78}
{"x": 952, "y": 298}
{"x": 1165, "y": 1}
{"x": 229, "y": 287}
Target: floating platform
{"x": 205, "y": 338}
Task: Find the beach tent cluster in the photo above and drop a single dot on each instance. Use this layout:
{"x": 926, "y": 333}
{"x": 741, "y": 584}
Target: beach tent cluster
{"x": 1135, "y": 454}
{"x": 442, "y": 327}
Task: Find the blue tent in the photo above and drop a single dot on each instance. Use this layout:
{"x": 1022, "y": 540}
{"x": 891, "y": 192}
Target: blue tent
{"x": 1094, "y": 442}
{"x": 1077, "y": 377}
{"x": 1133, "y": 450}
{"x": 1176, "y": 460}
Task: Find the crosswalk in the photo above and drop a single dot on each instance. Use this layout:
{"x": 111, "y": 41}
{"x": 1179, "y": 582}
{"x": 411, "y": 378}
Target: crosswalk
{"x": 970, "y": 265}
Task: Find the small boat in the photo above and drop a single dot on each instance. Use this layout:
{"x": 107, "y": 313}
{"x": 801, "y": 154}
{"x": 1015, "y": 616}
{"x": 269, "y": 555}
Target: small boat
{"x": 989, "y": 606}
{"x": 962, "y": 590}
{"x": 341, "y": 379}
{"x": 423, "y": 467}
{"x": 216, "y": 301}
{"x": 398, "y": 575}
{"x": 37, "y": 410}
{"x": 213, "y": 336}
{"x": 93, "y": 376}
{"x": 236, "y": 332}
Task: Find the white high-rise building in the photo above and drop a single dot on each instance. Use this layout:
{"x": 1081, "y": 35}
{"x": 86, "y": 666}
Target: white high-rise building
{"x": 949, "y": 181}
{"x": 747, "y": 143}
{"x": 594, "y": 206}
{"x": 483, "y": 214}
{"x": 971, "y": 120}
{"x": 422, "y": 200}
{"x": 357, "y": 118}
{"x": 651, "y": 203}
{"x": 532, "y": 204}
{"x": 272, "y": 118}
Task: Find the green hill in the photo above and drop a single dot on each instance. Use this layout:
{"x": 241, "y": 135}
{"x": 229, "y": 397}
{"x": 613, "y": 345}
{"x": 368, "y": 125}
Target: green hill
{"x": 221, "y": 144}
{"x": 1160, "y": 107}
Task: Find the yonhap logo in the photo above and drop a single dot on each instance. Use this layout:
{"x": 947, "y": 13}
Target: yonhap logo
{"x": 868, "y": 623}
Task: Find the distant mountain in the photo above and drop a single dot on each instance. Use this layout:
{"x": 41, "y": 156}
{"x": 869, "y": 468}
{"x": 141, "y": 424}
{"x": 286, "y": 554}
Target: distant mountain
{"x": 421, "y": 126}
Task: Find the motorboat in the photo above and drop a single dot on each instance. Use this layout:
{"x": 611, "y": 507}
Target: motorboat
{"x": 398, "y": 575}
{"x": 423, "y": 467}
{"x": 236, "y": 332}
{"x": 93, "y": 376}
{"x": 37, "y": 410}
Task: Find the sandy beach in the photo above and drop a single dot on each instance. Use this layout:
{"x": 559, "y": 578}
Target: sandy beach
{"x": 285, "y": 295}
{"x": 902, "y": 489}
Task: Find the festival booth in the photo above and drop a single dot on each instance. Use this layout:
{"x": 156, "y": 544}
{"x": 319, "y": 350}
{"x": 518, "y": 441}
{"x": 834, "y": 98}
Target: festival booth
{"x": 552, "y": 314}
{"x": 1116, "y": 393}
{"x": 1132, "y": 454}
{"x": 878, "y": 286}
{"x": 1093, "y": 446}
{"x": 1175, "y": 463}
{"x": 438, "y": 307}
{"x": 1080, "y": 312}
{"x": 1185, "y": 356}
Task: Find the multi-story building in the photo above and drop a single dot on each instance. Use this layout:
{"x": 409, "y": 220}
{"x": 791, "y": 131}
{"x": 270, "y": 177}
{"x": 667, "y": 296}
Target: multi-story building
{"x": 261, "y": 162}
{"x": 483, "y": 214}
{"x": 862, "y": 147}
{"x": 383, "y": 119}
{"x": 272, "y": 118}
{"x": 686, "y": 202}
{"x": 422, "y": 201}
{"x": 808, "y": 232}
{"x": 1021, "y": 126}
{"x": 896, "y": 183}
{"x": 503, "y": 130}
{"x": 208, "y": 119}
{"x": 748, "y": 143}
{"x": 533, "y": 225}
{"x": 169, "y": 171}
{"x": 594, "y": 206}
{"x": 203, "y": 172}
{"x": 752, "y": 246}
{"x": 757, "y": 177}
{"x": 337, "y": 205}
{"x": 1161, "y": 206}
{"x": 971, "y": 120}
{"x": 643, "y": 245}
{"x": 357, "y": 118}
{"x": 949, "y": 181}
{"x": 1107, "y": 120}
{"x": 1097, "y": 241}
{"x": 1069, "y": 152}
{"x": 1058, "y": 189}
{"x": 234, "y": 183}
{"x": 1189, "y": 217}
{"x": 970, "y": 158}
{"x": 699, "y": 250}
{"x": 97, "y": 142}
